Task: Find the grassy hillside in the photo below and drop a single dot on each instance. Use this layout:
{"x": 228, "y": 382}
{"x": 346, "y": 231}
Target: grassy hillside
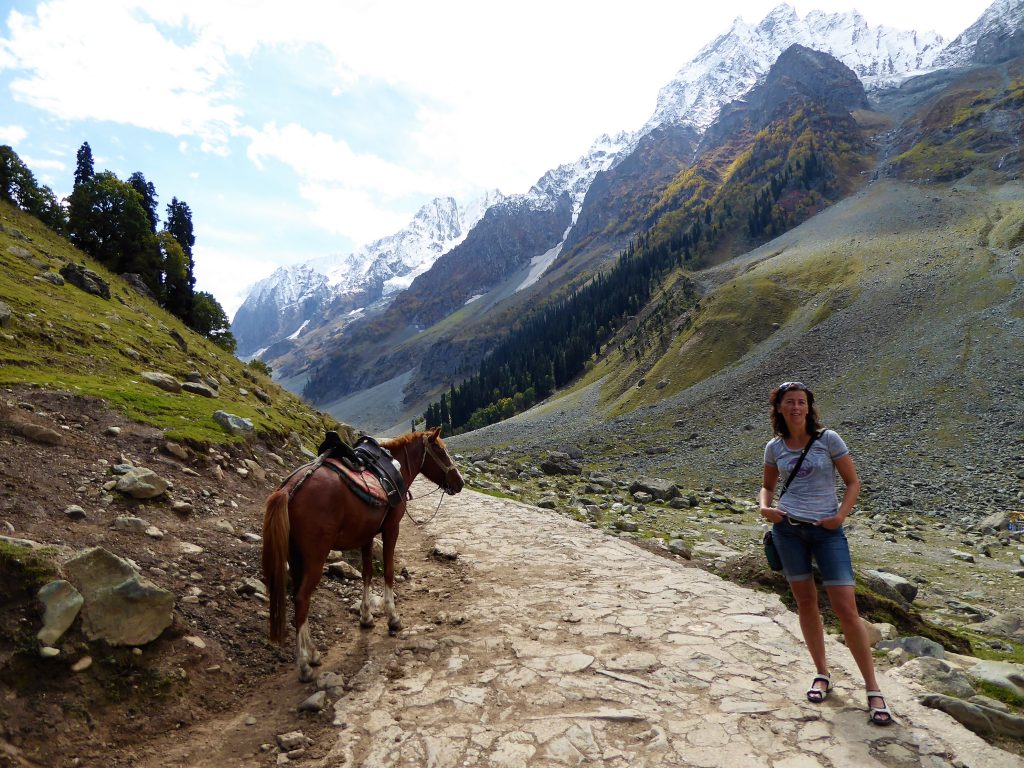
{"x": 63, "y": 338}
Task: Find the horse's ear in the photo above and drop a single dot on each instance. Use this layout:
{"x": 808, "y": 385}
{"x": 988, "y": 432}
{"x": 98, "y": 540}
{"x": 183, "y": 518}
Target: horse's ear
{"x": 435, "y": 433}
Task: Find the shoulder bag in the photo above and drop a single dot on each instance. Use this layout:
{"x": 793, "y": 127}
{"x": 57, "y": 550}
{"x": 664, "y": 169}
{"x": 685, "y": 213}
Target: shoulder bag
{"x": 771, "y": 553}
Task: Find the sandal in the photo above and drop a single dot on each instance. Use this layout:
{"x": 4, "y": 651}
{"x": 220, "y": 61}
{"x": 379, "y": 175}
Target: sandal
{"x": 878, "y": 715}
{"x": 817, "y": 695}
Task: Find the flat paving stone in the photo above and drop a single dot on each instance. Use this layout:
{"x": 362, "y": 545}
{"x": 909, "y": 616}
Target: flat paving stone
{"x": 582, "y": 649}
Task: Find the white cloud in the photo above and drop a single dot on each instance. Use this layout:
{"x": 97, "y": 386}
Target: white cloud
{"x": 353, "y": 213}
{"x": 12, "y": 134}
{"x": 318, "y": 157}
{"x": 45, "y": 165}
{"x": 229, "y": 273}
{"x": 79, "y": 61}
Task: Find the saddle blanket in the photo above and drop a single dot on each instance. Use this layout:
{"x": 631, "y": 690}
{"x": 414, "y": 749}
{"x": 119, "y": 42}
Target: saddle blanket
{"x": 364, "y": 484}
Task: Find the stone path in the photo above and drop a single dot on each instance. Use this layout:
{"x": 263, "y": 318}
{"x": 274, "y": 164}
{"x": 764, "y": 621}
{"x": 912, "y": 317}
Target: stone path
{"x": 567, "y": 647}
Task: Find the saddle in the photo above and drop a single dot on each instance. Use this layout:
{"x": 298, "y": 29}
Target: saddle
{"x": 369, "y": 469}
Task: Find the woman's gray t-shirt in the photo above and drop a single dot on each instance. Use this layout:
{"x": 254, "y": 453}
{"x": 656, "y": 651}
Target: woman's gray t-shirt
{"x": 812, "y": 494}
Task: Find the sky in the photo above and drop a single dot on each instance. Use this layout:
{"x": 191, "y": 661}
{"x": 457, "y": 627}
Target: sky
{"x": 302, "y": 129}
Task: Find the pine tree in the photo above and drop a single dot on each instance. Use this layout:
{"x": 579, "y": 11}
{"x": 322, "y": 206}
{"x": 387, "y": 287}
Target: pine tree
{"x": 179, "y": 226}
{"x": 147, "y": 192}
{"x": 83, "y": 165}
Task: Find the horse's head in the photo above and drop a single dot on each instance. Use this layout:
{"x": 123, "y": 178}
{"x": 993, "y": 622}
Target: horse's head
{"x": 438, "y": 465}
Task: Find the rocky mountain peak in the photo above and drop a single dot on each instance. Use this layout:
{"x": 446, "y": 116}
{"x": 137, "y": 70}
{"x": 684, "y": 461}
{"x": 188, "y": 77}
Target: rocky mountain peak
{"x": 731, "y": 64}
{"x": 997, "y": 36}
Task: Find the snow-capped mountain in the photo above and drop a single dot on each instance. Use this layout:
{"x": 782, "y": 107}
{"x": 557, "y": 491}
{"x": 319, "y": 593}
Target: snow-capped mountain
{"x": 731, "y": 64}
{"x": 575, "y": 178}
{"x": 722, "y": 72}
{"x": 393, "y": 262}
{"x": 994, "y": 37}
{"x": 282, "y": 305}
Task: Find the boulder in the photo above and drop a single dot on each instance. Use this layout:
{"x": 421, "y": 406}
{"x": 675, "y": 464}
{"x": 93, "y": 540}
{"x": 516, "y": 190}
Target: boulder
{"x": 141, "y": 483}
{"x": 997, "y": 521}
{"x": 939, "y": 676}
{"x": 907, "y": 589}
{"x": 198, "y": 388}
{"x": 916, "y": 645}
{"x": 1003, "y": 674}
{"x": 665, "y": 490}
{"x": 236, "y": 425}
{"x": 6, "y": 315}
{"x": 165, "y": 381}
{"x": 558, "y": 463}
{"x": 61, "y": 602}
{"x": 86, "y": 280}
{"x": 977, "y": 718}
{"x": 1009, "y": 624}
{"x": 121, "y": 607}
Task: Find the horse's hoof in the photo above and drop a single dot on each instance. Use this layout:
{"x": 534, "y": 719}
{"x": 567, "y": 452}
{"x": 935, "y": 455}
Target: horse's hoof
{"x": 367, "y": 623}
{"x": 394, "y": 627}
{"x": 316, "y": 661}
{"x": 305, "y": 674}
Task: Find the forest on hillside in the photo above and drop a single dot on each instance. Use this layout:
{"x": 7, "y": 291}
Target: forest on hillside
{"x": 735, "y": 198}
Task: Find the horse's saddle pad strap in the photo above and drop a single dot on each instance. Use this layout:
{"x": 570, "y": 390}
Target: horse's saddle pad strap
{"x": 364, "y": 484}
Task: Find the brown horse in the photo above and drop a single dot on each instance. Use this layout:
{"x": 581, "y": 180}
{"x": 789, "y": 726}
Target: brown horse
{"x": 325, "y": 514}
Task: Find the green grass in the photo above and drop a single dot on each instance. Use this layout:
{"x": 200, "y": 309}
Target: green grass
{"x": 1008, "y": 232}
{"x": 730, "y": 321}
{"x": 29, "y": 567}
{"x": 65, "y": 339}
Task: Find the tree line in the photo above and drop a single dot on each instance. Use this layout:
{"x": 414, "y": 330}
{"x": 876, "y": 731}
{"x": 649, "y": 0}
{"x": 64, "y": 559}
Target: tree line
{"x": 553, "y": 345}
{"x": 116, "y": 222}
{"x": 790, "y": 171}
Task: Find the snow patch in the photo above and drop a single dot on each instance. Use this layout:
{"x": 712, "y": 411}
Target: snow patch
{"x": 300, "y": 329}
{"x": 537, "y": 266}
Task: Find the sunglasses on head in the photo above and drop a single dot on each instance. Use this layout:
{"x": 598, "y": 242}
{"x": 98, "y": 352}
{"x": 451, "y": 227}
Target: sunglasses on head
{"x": 787, "y": 385}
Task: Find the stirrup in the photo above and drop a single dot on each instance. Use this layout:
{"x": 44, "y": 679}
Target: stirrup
{"x": 818, "y": 695}
{"x": 874, "y": 712}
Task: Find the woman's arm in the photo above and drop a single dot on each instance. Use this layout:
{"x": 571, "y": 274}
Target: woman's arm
{"x": 848, "y": 472}
{"x": 767, "y": 493}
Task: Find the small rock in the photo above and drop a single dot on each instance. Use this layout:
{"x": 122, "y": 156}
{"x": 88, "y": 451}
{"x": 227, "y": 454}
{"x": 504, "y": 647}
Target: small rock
{"x": 74, "y": 512}
{"x": 445, "y": 550}
{"x": 293, "y": 740}
{"x": 82, "y": 664}
{"x": 314, "y": 703}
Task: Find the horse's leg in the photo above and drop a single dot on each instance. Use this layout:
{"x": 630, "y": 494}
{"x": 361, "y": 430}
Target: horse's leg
{"x": 365, "y": 615}
{"x": 390, "y": 539}
{"x": 306, "y": 654}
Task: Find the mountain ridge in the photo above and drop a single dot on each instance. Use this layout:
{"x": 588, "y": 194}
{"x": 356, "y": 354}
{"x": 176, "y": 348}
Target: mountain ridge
{"x": 605, "y": 152}
{"x": 571, "y": 263}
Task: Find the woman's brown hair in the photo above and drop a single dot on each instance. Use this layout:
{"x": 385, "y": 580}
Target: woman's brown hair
{"x": 779, "y": 427}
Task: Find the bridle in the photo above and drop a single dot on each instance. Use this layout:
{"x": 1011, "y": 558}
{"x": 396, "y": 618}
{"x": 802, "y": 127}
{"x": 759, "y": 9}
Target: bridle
{"x": 444, "y": 462}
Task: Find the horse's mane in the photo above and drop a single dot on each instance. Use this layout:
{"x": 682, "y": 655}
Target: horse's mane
{"x": 397, "y": 443}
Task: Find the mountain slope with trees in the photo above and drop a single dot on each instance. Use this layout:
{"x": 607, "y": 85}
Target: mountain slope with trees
{"x": 790, "y": 149}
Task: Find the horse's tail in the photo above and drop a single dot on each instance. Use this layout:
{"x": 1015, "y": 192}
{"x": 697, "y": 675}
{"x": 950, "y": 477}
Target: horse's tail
{"x": 275, "y": 561}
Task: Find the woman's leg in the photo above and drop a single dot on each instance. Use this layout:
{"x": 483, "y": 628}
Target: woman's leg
{"x": 806, "y": 595}
{"x": 844, "y": 603}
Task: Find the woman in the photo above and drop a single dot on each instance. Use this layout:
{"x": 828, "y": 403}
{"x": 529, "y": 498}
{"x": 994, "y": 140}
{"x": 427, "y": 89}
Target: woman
{"x": 809, "y": 523}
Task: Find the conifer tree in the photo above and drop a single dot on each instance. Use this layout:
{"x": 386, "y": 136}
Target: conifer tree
{"x": 147, "y": 192}
{"x": 83, "y": 165}
{"x": 179, "y": 227}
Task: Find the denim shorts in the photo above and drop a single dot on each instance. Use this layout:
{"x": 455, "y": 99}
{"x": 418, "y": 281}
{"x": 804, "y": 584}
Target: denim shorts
{"x": 798, "y": 543}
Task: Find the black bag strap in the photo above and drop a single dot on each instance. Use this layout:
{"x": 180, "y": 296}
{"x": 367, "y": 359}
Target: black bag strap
{"x": 799, "y": 462}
